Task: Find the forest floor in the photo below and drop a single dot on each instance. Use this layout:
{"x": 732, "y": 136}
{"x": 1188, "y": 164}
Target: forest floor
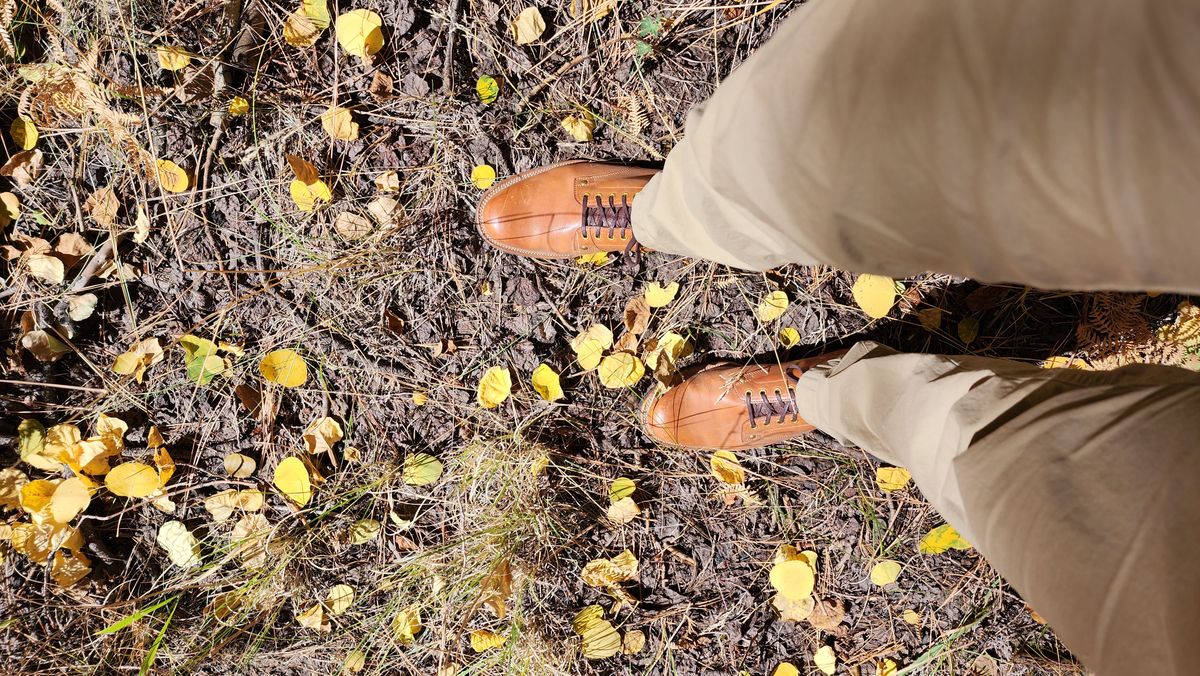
{"x": 397, "y": 316}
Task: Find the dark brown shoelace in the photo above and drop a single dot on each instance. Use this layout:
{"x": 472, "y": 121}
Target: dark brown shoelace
{"x": 614, "y": 218}
{"x": 775, "y": 404}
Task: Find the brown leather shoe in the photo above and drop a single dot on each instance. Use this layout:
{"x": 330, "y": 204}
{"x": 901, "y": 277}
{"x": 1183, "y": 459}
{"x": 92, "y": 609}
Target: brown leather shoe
{"x": 563, "y": 210}
{"x": 732, "y": 407}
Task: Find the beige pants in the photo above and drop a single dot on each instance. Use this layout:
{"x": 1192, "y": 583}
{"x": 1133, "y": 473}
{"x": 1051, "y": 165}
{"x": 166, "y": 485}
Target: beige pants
{"x": 1054, "y": 143}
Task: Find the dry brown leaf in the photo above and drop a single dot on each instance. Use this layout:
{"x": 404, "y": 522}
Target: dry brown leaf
{"x": 24, "y": 168}
{"x": 339, "y": 123}
{"x": 623, "y": 511}
{"x": 386, "y": 211}
{"x": 637, "y": 315}
{"x": 102, "y": 206}
{"x": 351, "y": 226}
{"x": 528, "y": 26}
{"x": 827, "y": 615}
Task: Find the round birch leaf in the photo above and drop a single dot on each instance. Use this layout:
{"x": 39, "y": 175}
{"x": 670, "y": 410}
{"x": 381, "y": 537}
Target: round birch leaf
{"x": 825, "y": 659}
{"x": 284, "y": 367}
{"x": 528, "y": 26}
{"x": 70, "y": 498}
{"x": 483, "y": 640}
{"x": 885, "y": 572}
{"x": 488, "y": 89}
{"x": 620, "y": 370}
{"x": 133, "y": 480}
{"x": 421, "y": 469}
{"x": 339, "y": 123}
{"x": 359, "y": 32}
{"x": 892, "y": 478}
{"x": 773, "y": 306}
{"x": 789, "y": 336}
{"x": 172, "y": 177}
{"x": 23, "y": 133}
{"x": 875, "y": 294}
{"x": 494, "y": 387}
{"x": 291, "y": 478}
{"x": 620, "y": 489}
{"x": 786, "y": 669}
{"x": 339, "y": 599}
{"x": 658, "y": 295}
{"x": 794, "y": 579}
{"x": 171, "y": 57}
{"x": 483, "y": 176}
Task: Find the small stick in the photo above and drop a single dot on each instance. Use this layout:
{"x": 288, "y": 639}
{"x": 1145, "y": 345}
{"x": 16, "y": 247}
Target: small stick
{"x": 448, "y": 60}
{"x": 92, "y": 390}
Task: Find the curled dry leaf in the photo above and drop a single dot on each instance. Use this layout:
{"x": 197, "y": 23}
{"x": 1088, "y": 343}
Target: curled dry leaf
{"x": 24, "y": 168}
{"x": 239, "y": 466}
{"x": 364, "y": 531}
{"x": 339, "y": 123}
{"x": 139, "y": 357}
{"x": 314, "y": 618}
{"x": 46, "y": 268}
{"x": 321, "y": 434}
{"x": 291, "y": 478}
{"x": 483, "y": 640}
{"x": 789, "y": 336}
{"x": 610, "y": 572}
{"x": 793, "y": 611}
{"x": 102, "y": 206}
{"x": 546, "y": 383}
{"x": 299, "y": 30}
{"x": 494, "y": 387}
{"x": 388, "y": 181}
{"x": 238, "y": 106}
{"x": 581, "y": 127}
{"x": 726, "y": 468}
{"x": 528, "y": 26}
{"x": 406, "y": 625}
{"x": 633, "y": 642}
{"x": 891, "y": 478}
{"x": 827, "y": 615}
{"x": 637, "y": 315}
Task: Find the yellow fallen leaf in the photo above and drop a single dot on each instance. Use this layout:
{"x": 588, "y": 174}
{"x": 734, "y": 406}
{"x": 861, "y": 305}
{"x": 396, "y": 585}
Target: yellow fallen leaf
{"x": 598, "y": 259}
{"x": 47, "y": 268}
{"x": 545, "y": 382}
{"x": 238, "y": 106}
{"x": 35, "y": 498}
{"x": 601, "y": 640}
{"x": 420, "y": 398}
{"x": 885, "y": 572}
{"x": 789, "y": 336}
{"x": 339, "y": 123}
{"x": 633, "y": 641}
{"x": 284, "y": 367}
{"x": 786, "y": 669}
{"x": 308, "y": 195}
{"x": 172, "y": 177}
{"x": 364, "y": 530}
{"x": 314, "y": 618}
{"x": 317, "y": 11}
{"x": 794, "y": 579}
{"x": 339, "y": 599}
{"x": 610, "y": 572}
{"x": 621, "y": 488}
{"x": 173, "y": 58}
{"x": 584, "y": 619}
{"x": 941, "y": 539}
{"x": 238, "y": 465}
{"x": 773, "y": 306}
{"x": 23, "y": 133}
{"x": 69, "y": 567}
{"x": 875, "y": 294}
{"x": 10, "y": 208}
{"x": 528, "y": 26}
{"x": 658, "y": 295}
{"x": 321, "y": 434}
{"x": 494, "y": 387}
{"x": 11, "y": 481}
{"x": 359, "y": 32}
{"x": 140, "y": 356}
{"x": 291, "y": 478}
{"x": 299, "y": 30}
{"x": 70, "y": 498}
{"x": 182, "y": 547}
{"x": 892, "y": 478}
{"x": 620, "y": 369}
{"x": 1068, "y": 363}
{"x": 355, "y": 662}
{"x": 589, "y": 352}
{"x": 483, "y": 640}
{"x": 910, "y": 616}
{"x": 885, "y": 668}
{"x": 793, "y": 611}
{"x": 623, "y": 511}
{"x": 421, "y": 469}
{"x": 483, "y": 176}
{"x": 670, "y": 346}
{"x": 726, "y": 468}
{"x": 579, "y": 127}
{"x": 487, "y": 88}
{"x": 133, "y": 480}
{"x": 406, "y": 625}
{"x": 825, "y": 660}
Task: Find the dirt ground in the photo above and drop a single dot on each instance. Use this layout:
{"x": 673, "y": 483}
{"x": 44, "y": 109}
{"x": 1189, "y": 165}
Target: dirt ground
{"x": 425, "y": 307}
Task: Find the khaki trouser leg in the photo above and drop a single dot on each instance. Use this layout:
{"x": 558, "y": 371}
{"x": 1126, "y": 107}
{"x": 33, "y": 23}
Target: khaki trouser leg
{"x": 1053, "y": 144}
{"x": 1082, "y": 488}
